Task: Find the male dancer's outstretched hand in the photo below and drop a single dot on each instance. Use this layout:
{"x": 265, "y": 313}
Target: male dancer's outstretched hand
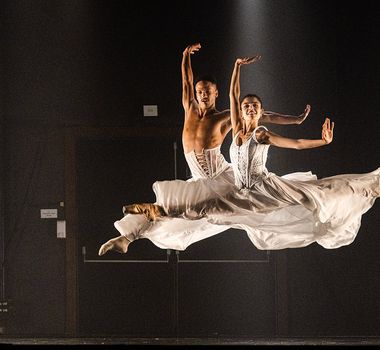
{"x": 305, "y": 113}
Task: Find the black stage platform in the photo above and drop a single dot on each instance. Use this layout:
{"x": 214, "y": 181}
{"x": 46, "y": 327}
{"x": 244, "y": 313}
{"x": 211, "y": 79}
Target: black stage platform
{"x": 299, "y": 341}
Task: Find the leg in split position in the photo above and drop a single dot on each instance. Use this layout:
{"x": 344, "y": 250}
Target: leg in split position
{"x": 151, "y": 211}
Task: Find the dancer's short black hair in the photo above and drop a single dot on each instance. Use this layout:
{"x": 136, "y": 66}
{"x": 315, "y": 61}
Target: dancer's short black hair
{"x": 209, "y": 78}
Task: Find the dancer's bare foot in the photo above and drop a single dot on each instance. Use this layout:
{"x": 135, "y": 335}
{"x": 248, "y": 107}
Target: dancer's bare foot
{"x": 151, "y": 211}
{"x": 119, "y": 244}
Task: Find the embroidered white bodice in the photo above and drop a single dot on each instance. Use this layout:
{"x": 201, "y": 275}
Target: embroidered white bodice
{"x": 249, "y": 160}
{"x": 207, "y": 164}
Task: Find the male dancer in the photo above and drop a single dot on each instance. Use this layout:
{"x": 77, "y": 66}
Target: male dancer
{"x": 204, "y": 131}
{"x": 205, "y": 128}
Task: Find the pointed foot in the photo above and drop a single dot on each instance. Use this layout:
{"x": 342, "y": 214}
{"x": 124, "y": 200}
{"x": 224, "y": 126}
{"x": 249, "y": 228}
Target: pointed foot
{"x": 119, "y": 244}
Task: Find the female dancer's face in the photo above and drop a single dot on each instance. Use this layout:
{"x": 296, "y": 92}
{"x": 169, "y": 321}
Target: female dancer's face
{"x": 251, "y": 108}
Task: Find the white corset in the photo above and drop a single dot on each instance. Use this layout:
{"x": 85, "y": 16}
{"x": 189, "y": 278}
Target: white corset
{"x": 208, "y": 164}
{"x": 249, "y": 160}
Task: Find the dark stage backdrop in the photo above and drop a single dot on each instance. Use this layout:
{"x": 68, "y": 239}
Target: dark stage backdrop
{"x": 73, "y": 64}
{"x": 151, "y": 291}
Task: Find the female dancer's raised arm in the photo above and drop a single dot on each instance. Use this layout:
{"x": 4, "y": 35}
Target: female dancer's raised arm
{"x": 236, "y": 120}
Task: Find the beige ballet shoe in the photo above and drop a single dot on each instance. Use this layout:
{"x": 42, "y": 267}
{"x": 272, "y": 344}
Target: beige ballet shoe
{"x": 151, "y": 211}
{"x": 119, "y": 244}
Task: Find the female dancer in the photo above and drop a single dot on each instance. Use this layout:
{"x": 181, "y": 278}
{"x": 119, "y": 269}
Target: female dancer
{"x": 276, "y": 212}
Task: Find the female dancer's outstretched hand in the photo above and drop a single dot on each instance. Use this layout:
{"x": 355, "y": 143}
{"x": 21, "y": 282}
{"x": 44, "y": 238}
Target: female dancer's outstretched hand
{"x": 247, "y": 60}
{"x": 327, "y": 131}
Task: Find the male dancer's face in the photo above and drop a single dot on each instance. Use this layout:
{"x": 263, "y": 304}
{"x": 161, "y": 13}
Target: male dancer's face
{"x": 206, "y": 94}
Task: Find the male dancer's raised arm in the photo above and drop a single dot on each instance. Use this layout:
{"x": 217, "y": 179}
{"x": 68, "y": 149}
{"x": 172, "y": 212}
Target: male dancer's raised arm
{"x": 187, "y": 76}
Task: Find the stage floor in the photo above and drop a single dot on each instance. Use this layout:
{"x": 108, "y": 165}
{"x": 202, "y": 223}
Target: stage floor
{"x": 299, "y": 341}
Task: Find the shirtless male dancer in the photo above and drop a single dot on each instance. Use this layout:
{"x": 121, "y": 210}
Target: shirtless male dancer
{"x": 205, "y": 128}
{"x": 204, "y": 131}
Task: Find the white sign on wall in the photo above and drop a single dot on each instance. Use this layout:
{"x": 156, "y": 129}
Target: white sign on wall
{"x": 61, "y": 228}
{"x": 49, "y": 213}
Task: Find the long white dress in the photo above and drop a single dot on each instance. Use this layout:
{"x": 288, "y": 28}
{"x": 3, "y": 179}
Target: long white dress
{"x": 276, "y": 212}
{"x": 179, "y": 232}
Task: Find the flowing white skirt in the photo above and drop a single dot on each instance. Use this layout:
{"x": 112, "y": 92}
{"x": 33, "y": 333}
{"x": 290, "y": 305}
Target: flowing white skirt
{"x": 176, "y": 233}
{"x": 278, "y": 212}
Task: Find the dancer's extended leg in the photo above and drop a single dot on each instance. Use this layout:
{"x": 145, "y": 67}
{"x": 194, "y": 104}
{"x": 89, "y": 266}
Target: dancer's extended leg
{"x": 151, "y": 211}
{"x": 119, "y": 244}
